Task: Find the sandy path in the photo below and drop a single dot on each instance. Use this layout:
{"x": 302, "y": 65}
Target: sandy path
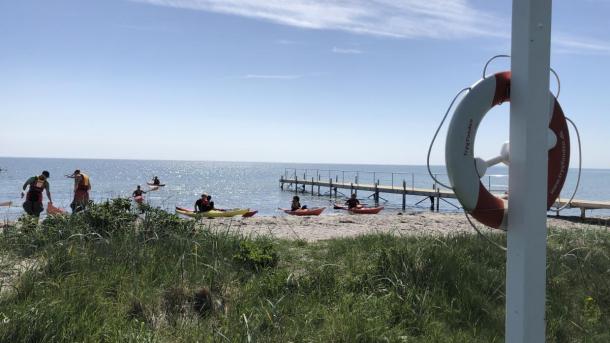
{"x": 344, "y": 225}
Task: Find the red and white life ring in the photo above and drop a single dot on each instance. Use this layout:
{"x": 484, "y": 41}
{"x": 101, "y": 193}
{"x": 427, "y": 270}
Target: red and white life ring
{"x": 459, "y": 151}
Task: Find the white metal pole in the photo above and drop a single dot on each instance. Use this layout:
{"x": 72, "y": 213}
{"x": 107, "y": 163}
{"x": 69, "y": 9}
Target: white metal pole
{"x": 529, "y": 118}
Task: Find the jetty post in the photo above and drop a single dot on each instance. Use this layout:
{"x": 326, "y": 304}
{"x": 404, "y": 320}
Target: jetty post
{"x": 404, "y": 195}
{"x": 312, "y": 185}
{"x": 527, "y": 204}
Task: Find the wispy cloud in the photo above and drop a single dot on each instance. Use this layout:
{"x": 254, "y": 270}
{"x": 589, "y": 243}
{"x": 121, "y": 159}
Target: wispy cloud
{"x": 273, "y": 76}
{"x": 568, "y": 44}
{"x": 437, "y": 19}
{"x": 286, "y": 42}
{"x": 147, "y": 28}
{"x": 337, "y": 50}
{"x": 443, "y": 19}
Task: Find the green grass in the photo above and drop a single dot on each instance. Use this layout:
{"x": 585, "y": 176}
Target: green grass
{"x": 102, "y": 277}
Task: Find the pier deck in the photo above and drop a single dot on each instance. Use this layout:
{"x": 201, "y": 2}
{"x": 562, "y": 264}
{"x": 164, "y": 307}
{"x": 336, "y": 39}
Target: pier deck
{"x": 584, "y": 205}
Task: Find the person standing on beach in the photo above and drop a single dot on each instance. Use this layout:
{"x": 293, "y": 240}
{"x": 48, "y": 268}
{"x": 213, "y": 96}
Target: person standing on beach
{"x": 33, "y": 199}
{"x": 82, "y": 186}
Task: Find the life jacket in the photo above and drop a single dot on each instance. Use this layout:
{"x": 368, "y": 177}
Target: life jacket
{"x": 36, "y": 188}
{"x": 83, "y": 184}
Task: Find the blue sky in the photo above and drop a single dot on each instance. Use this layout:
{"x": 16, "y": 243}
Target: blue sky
{"x": 343, "y": 81}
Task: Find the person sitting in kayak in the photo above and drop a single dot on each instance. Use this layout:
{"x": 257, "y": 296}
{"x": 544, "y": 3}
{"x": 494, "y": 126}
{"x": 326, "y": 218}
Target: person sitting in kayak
{"x": 156, "y": 181}
{"x": 138, "y": 192}
{"x": 352, "y": 202}
{"x": 33, "y": 199}
{"x": 202, "y": 204}
{"x": 210, "y": 202}
{"x": 296, "y": 204}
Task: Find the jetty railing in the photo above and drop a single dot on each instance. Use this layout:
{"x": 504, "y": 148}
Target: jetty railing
{"x": 395, "y": 180}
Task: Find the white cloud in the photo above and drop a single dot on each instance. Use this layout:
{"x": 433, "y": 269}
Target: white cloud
{"x": 273, "y": 76}
{"x": 438, "y": 19}
{"x": 580, "y": 45}
{"x": 286, "y": 42}
{"x": 444, "y": 19}
{"x": 337, "y": 50}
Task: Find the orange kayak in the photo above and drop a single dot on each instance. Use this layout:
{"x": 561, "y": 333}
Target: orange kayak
{"x": 316, "y": 211}
{"x": 366, "y": 210}
{"x": 54, "y": 211}
{"x": 344, "y": 207}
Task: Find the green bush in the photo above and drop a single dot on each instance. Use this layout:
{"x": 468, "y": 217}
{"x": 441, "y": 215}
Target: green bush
{"x": 256, "y": 255}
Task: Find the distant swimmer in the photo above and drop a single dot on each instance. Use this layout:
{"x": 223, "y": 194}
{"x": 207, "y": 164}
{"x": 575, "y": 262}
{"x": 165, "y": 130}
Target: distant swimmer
{"x": 33, "y": 199}
{"x": 82, "y": 186}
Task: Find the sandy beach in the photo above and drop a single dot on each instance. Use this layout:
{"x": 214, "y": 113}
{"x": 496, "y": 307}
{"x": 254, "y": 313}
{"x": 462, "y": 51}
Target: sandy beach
{"x": 345, "y": 225}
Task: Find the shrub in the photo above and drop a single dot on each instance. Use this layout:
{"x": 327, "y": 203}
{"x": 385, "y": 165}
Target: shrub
{"x": 257, "y": 254}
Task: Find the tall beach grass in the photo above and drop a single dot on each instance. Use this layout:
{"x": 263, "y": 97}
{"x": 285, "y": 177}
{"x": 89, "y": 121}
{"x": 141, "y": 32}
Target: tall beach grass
{"x": 112, "y": 274}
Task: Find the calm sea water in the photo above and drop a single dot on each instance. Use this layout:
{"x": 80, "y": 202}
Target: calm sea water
{"x": 236, "y": 184}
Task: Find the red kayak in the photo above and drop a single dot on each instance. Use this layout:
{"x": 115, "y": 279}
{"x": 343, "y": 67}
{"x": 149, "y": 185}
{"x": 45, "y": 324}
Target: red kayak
{"x": 344, "y": 207}
{"x": 305, "y": 212}
{"x": 250, "y": 214}
{"x": 139, "y": 199}
{"x": 54, "y": 211}
{"x": 366, "y": 210}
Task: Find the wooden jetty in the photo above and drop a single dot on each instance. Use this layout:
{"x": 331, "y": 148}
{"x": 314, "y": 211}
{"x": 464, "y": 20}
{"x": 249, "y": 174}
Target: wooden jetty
{"x": 435, "y": 194}
{"x": 584, "y": 205}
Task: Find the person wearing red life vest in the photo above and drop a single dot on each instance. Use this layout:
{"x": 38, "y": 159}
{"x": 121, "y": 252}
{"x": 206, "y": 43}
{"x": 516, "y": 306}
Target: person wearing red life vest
{"x": 33, "y": 198}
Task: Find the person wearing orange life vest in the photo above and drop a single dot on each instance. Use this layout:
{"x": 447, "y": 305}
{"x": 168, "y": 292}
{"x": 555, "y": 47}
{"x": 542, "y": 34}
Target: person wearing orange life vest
{"x": 82, "y": 186}
{"x": 33, "y": 199}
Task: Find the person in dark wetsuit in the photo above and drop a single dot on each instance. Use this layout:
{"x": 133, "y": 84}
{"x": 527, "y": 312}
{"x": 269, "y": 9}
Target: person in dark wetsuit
{"x": 202, "y": 204}
{"x": 296, "y": 204}
{"x": 210, "y": 202}
{"x": 352, "y": 202}
{"x": 156, "y": 181}
{"x": 33, "y": 199}
{"x": 138, "y": 192}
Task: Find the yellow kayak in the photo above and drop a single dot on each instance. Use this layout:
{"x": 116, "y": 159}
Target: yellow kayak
{"x": 213, "y": 213}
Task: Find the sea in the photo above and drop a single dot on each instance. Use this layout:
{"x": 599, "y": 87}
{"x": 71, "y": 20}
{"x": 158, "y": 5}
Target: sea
{"x": 253, "y": 185}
